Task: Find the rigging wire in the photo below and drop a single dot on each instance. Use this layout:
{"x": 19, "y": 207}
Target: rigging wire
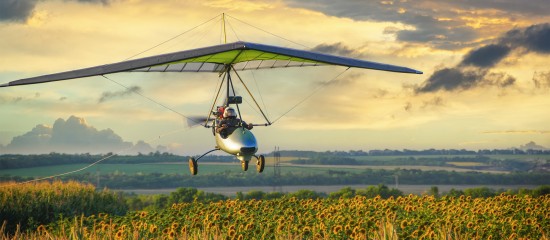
{"x": 233, "y": 30}
{"x": 286, "y": 39}
{"x": 150, "y": 99}
{"x": 172, "y": 38}
{"x": 259, "y": 93}
{"x": 311, "y": 94}
{"x": 195, "y": 39}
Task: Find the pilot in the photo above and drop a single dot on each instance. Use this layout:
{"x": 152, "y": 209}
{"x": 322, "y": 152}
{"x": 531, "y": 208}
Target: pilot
{"x": 230, "y": 122}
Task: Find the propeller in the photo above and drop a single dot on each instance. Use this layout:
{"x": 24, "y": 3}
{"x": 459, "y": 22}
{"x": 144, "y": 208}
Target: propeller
{"x": 194, "y": 121}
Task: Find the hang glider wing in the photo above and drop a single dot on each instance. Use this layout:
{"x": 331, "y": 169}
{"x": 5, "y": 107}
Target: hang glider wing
{"x": 242, "y": 55}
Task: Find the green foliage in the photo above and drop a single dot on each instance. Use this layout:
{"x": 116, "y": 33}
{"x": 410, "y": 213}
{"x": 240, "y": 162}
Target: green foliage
{"x": 307, "y": 194}
{"x": 380, "y": 190}
{"x": 481, "y": 192}
{"x": 34, "y": 204}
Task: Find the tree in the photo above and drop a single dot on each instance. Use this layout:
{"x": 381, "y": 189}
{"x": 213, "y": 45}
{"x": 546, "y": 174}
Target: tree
{"x": 183, "y": 195}
{"x": 481, "y": 192}
{"x": 346, "y": 192}
{"x": 306, "y": 194}
{"x": 434, "y": 191}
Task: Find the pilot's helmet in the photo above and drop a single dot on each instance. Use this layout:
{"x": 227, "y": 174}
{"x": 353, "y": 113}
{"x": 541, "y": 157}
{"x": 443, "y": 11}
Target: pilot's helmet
{"x": 229, "y": 112}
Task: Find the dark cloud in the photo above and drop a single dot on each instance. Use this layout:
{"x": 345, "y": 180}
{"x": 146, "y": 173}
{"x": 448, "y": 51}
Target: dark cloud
{"x": 535, "y": 38}
{"x": 110, "y": 95}
{"x": 434, "y": 102}
{"x": 73, "y": 135}
{"x": 474, "y": 69}
{"x": 16, "y": 10}
{"x": 541, "y": 80}
{"x": 486, "y": 56}
{"x": 451, "y": 79}
{"x": 523, "y": 8}
{"x": 428, "y": 27}
{"x": 21, "y": 10}
{"x": 336, "y": 49}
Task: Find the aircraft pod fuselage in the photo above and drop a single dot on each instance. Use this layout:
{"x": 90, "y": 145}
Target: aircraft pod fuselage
{"x": 239, "y": 142}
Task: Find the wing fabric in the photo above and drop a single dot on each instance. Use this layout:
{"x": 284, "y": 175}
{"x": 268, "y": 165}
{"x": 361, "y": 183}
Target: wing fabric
{"x": 242, "y": 55}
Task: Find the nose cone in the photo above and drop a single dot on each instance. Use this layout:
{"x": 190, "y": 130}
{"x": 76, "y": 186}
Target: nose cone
{"x": 240, "y": 142}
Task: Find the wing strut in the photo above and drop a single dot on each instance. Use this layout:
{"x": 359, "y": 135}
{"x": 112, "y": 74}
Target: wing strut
{"x": 254, "y": 99}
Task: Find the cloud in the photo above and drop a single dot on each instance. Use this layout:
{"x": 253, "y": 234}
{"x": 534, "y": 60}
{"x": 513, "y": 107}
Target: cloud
{"x": 22, "y": 10}
{"x": 110, "y": 95}
{"x": 439, "y": 24}
{"x": 73, "y": 135}
{"x": 486, "y": 56}
{"x": 532, "y": 146}
{"x": 474, "y": 69}
{"x": 438, "y": 28}
{"x": 143, "y": 147}
{"x": 16, "y": 10}
{"x": 524, "y": 8}
{"x": 541, "y": 80}
{"x": 336, "y": 49}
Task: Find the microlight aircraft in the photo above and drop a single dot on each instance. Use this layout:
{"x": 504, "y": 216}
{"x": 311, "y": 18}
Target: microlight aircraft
{"x": 226, "y": 60}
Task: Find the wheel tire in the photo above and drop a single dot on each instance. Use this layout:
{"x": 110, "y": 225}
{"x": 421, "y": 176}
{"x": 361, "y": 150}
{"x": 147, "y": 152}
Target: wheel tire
{"x": 244, "y": 165}
{"x": 260, "y": 164}
{"x": 193, "y": 168}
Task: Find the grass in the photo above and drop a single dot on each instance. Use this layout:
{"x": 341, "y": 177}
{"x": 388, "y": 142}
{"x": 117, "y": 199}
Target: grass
{"x": 166, "y": 168}
{"x": 206, "y": 168}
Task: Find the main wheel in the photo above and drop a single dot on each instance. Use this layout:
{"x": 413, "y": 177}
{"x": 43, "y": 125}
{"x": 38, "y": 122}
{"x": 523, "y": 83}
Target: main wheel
{"x": 260, "y": 164}
{"x": 193, "y": 166}
{"x": 244, "y": 165}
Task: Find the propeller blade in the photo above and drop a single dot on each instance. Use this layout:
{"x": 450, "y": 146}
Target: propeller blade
{"x": 197, "y": 120}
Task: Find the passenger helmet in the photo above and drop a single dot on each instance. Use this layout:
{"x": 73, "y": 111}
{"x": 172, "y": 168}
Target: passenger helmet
{"x": 229, "y": 112}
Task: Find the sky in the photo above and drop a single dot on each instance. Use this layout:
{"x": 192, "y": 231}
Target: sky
{"x": 485, "y": 85}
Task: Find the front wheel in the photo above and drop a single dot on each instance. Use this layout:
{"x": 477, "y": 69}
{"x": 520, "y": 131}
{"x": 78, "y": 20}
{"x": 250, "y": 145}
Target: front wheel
{"x": 260, "y": 164}
{"x": 193, "y": 168}
{"x": 244, "y": 165}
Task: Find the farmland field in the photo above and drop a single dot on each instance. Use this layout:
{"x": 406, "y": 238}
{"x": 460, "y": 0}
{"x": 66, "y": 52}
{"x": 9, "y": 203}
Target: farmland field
{"x": 405, "y": 217}
{"x": 204, "y": 168}
{"x": 166, "y": 168}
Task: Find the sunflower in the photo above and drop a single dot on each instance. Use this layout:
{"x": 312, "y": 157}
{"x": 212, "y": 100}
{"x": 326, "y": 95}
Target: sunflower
{"x": 231, "y": 233}
{"x": 336, "y": 229}
{"x": 119, "y": 234}
{"x": 404, "y": 223}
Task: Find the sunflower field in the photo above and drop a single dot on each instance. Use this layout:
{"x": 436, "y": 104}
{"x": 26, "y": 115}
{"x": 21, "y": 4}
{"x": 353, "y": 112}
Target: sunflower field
{"x": 409, "y": 217}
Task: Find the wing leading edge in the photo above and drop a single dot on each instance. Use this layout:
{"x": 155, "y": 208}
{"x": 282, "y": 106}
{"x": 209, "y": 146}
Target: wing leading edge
{"x": 242, "y": 55}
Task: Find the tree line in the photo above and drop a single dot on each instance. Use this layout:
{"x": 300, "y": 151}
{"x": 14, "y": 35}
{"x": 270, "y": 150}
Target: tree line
{"x": 331, "y": 177}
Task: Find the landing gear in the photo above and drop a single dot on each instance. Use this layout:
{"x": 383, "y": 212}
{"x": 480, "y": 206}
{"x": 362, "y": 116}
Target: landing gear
{"x": 244, "y": 165}
{"x": 260, "y": 163}
{"x": 193, "y": 168}
{"x": 193, "y": 163}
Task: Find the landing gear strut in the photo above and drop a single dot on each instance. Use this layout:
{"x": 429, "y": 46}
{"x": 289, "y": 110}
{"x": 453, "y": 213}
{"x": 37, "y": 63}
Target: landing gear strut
{"x": 193, "y": 163}
{"x": 244, "y": 165}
